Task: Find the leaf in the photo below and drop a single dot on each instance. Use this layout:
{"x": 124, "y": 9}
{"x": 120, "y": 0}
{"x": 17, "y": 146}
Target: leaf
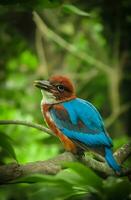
{"x": 68, "y": 8}
{"x": 89, "y": 177}
{"x": 48, "y": 186}
{"x": 35, "y": 178}
{"x": 5, "y": 143}
{"x": 40, "y": 178}
{"x": 60, "y": 187}
{"x": 119, "y": 188}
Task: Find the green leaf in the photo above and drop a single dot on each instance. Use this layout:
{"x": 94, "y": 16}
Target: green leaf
{"x": 119, "y": 188}
{"x": 49, "y": 186}
{"x": 5, "y": 143}
{"x": 40, "y": 178}
{"x": 61, "y": 187}
{"x": 35, "y": 178}
{"x": 89, "y": 177}
{"x": 68, "y": 8}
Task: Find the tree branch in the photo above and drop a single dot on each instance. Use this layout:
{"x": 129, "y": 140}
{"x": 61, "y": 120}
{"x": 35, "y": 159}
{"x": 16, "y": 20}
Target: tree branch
{"x": 29, "y": 124}
{"x": 13, "y": 171}
{"x": 111, "y": 119}
{"x": 123, "y": 153}
{"x": 43, "y": 68}
{"x": 69, "y": 47}
{"x": 52, "y": 166}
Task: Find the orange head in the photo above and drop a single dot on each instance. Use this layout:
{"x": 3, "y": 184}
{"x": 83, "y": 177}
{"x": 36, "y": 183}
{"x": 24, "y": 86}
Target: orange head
{"x": 59, "y": 88}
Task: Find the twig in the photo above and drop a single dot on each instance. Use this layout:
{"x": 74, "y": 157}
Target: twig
{"x": 69, "y": 47}
{"x": 111, "y": 119}
{"x": 43, "y": 69}
{"x": 29, "y": 124}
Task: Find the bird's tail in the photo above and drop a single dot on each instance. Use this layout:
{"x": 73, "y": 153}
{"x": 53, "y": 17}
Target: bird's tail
{"x": 111, "y": 160}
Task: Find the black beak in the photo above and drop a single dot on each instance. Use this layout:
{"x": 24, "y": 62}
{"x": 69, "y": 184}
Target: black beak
{"x": 44, "y": 85}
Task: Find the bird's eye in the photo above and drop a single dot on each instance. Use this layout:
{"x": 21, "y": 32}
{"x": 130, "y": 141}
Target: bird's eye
{"x": 60, "y": 88}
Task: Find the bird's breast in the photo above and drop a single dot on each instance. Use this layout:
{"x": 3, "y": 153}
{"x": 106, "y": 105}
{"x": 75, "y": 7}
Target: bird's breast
{"x": 45, "y": 108}
{"x": 46, "y": 113}
{"x": 47, "y": 97}
{"x": 68, "y": 144}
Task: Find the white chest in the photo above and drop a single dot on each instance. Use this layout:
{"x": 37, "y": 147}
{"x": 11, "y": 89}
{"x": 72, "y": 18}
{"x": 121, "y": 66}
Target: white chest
{"x": 47, "y": 97}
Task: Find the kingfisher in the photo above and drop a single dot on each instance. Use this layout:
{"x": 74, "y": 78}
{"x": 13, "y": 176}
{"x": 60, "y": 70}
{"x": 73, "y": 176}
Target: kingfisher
{"x": 75, "y": 121}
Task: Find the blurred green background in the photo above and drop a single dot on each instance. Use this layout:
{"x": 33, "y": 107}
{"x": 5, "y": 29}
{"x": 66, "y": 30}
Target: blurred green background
{"x": 90, "y": 42}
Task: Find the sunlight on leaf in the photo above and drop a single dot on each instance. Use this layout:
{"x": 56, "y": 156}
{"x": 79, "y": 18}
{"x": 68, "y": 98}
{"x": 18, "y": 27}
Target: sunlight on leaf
{"x": 88, "y": 176}
{"x": 68, "y": 8}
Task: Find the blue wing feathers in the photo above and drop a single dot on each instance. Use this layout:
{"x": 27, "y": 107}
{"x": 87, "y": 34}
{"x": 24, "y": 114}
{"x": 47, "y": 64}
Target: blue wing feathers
{"x": 76, "y": 111}
{"x": 111, "y": 161}
{"x": 89, "y": 114}
{"x": 72, "y": 115}
{"x": 86, "y": 112}
{"x": 88, "y": 139}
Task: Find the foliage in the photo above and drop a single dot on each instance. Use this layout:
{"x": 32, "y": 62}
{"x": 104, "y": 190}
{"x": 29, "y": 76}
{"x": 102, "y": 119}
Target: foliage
{"x": 72, "y": 9}
{"x": 6, "y": 145}
{"x": 31, "y": 4}
{"x": 76, "y": 182}
{"x": 21, "y": 63}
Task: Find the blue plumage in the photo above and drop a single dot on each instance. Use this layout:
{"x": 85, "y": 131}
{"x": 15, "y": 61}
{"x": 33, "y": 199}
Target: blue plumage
{"x": 79, "y": 120}
{"x": 111, "y": 161}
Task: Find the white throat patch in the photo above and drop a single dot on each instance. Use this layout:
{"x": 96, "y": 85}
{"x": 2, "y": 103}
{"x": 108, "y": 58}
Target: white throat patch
{"x": 47, "y": 97}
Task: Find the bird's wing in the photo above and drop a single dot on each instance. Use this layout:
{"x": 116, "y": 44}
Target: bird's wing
{"x": 80, "y": 121}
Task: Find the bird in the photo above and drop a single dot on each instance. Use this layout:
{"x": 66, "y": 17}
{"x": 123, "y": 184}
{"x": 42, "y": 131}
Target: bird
{"x": 75, "y": 121}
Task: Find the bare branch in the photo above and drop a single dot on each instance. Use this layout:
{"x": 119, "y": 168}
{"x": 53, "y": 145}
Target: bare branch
{"x": 112, "y": 118}
{"x": 29, "y": 124}
{"x": 123, "y": 153}
{"x": 69, "y": 47}
{"x": 14, "y": 171}
{"x": 43, "y": 68}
